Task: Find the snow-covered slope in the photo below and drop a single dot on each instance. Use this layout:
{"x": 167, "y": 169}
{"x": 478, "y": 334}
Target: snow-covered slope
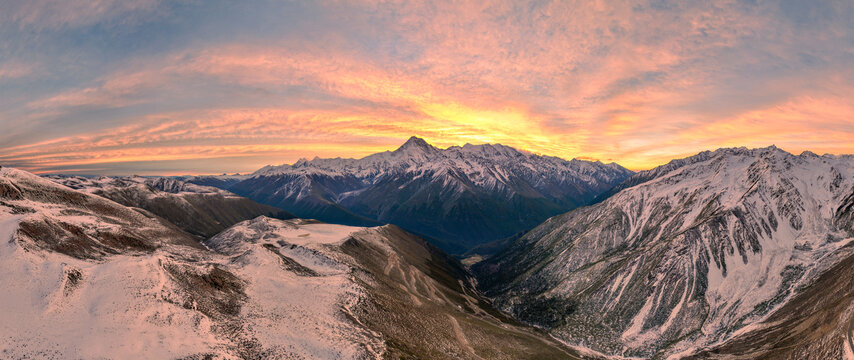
{"x": 85, "y": 277}
{"x": 686, "y": 256}
{"x": 202, "y": 211}
{"x": 407, "y": 297}
{"x": 462, "y": 195}
{"x": 77, "y": 224}
{"x": 58, "y": 307}
{"x": 171, "y": 304}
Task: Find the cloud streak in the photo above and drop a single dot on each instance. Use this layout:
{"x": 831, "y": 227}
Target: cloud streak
{"x": 634, "y": 82}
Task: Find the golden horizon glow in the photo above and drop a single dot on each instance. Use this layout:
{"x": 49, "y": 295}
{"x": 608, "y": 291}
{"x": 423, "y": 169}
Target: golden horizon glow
{"x": 634, "y": 83}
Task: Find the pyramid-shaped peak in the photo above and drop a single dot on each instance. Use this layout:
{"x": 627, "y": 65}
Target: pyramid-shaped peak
{"x": 415, "y": 142}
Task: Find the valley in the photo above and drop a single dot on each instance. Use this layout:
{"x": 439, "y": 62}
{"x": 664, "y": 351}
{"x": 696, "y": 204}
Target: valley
{"x": 727, "y": 254}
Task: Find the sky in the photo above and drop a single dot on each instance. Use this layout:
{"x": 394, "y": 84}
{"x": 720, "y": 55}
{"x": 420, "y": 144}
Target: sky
{"x": 203, "y": 87}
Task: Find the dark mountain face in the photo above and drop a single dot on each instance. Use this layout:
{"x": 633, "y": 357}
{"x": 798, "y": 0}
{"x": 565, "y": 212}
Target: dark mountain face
{"x": 202, "y": 211}
{"x": 730, "y": 253}
{"x": 315, "y": 199}
{"x": 217, "y": 181}
{"x": 459, "y": 196}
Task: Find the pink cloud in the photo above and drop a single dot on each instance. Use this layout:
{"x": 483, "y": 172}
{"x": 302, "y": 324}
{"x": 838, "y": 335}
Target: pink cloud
{"x": 617, "y": 81}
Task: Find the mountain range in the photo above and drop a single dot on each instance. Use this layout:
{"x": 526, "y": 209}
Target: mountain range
{"x": 87, "y": 277}
{"x": 731, "y": 252}
{"x": 459, "y": 197}
{"x": 202, "y": 211}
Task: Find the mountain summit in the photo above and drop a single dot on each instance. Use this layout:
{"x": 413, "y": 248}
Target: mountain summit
{"x": 460, "y": 197}
{"x": 416, "y": 143}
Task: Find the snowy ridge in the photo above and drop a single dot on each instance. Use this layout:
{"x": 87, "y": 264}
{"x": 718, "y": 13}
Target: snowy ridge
{"x": 300, "y": 240}
{"x": 487, "y": 166}
{"x": 462, "y": 196}
{"x": 161, "y": 300}
{"x": 61, "y": 219}
{"x": 646, "y": 175}
{"x": 151, "y": 186}
{"x": 153, "y": 313}
{"x": 749, "y": 227}
{"x": 132, "y": 286}
{"x": 403, "y": 295}
{"x": 202, "y": 211}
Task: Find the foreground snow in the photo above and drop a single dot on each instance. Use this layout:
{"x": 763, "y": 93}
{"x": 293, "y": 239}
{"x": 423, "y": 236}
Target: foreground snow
{"x": 113, "y": 309}
{"x": 84, "y": 277}
{"x": 131, "y": 306}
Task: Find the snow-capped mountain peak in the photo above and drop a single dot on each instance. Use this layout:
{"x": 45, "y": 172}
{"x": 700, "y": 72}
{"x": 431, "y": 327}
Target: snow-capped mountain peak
{"x": 423, "y": 188}
{"x": 479, "y": 162}
{"x": 416, "y": 145}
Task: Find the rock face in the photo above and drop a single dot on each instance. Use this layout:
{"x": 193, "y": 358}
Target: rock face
{"x": 697, "y": 254}
{"x": 459, "y": 196}
{"x": 202, "y": 211}
{"x": 86, "y": 277}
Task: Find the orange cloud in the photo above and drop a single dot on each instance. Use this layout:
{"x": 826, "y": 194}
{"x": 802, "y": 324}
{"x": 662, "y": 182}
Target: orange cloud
{"x": 629, "y": 82}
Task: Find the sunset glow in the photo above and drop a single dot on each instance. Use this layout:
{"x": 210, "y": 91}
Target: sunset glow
{"x": 154, "y": 87}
